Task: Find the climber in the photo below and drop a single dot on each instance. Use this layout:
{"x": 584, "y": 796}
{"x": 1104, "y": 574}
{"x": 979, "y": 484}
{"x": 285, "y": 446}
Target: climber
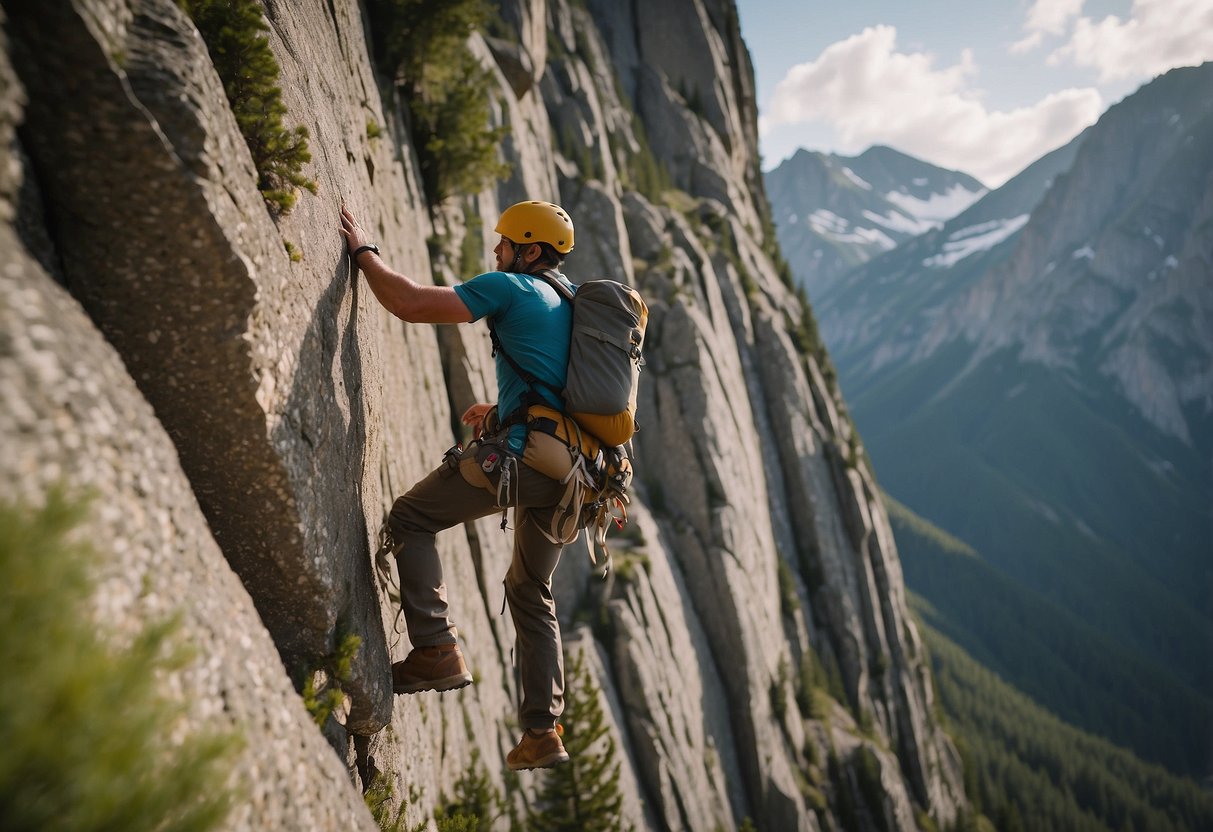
{"x": 492, "y": 472}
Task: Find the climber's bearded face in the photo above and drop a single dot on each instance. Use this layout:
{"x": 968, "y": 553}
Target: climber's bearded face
{"x": 511, "y": 256}
{"x": 504, "y": 252}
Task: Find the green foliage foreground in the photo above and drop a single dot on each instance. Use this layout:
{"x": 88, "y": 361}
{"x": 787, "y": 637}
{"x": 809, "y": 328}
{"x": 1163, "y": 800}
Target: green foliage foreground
{"x": 323, "y": 697}
{"x": 84, "y": 731}
{"x": 476, "y": 803}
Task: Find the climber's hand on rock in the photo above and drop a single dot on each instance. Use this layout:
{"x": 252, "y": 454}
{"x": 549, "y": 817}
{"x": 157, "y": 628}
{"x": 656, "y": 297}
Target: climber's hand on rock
{"x": 355, "y": 234}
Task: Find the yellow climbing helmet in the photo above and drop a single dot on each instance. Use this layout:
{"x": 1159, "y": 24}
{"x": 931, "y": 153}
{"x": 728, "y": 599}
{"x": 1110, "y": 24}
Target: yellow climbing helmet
{"x": 537, "y": 222}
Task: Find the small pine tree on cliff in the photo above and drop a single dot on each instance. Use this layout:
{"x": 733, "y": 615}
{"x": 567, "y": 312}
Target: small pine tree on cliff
{"x": 422, "y": 45}
{"x": 582, "y": 795}
{"x": 234, "y": 31}
{"x": 476, "y": 804}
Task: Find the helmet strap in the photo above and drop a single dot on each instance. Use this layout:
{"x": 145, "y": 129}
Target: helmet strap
{"x": 517, "y": 256}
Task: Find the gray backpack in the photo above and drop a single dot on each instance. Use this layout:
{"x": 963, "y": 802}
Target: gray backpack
{"x": 605, "y": 357}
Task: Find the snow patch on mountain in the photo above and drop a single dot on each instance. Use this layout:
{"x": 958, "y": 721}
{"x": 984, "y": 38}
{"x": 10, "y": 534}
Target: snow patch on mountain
{"x": 854, "y": 177}
{"x": 830, "y": 225}
{"x": 900, "y": 222}
{"x": 973, "y": 239}
{"x": 938, "y": 207}
{"x": 824, "y": 221}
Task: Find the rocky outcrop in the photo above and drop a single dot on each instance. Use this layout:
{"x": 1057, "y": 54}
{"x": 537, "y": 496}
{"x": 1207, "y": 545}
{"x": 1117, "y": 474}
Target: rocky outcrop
{"x": 166, "y": 243}
{"x": 267, "y": 374}
{"x": 759, "y": 546}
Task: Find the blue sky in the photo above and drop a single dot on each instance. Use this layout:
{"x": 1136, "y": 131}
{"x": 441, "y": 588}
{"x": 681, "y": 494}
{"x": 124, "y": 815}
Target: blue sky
{"x": 981, "y": 86}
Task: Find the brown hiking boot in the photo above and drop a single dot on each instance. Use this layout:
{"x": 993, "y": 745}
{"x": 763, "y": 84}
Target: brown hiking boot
{"x": 538, "y": 749}
{"x": 431, "y": 668}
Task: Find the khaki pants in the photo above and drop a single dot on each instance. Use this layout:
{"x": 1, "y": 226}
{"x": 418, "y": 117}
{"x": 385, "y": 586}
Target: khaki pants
{"x": 457, "y": 492}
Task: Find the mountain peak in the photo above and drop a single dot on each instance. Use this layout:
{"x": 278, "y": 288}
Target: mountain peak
{"x": 834, "y": 212}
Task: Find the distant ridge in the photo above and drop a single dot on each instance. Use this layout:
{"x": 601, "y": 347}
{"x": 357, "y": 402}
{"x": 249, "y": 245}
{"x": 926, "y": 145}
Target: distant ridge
{"x": 889, "y": 301}
{"x": 1035, "y": 377}
{"x": 835, "y": 212}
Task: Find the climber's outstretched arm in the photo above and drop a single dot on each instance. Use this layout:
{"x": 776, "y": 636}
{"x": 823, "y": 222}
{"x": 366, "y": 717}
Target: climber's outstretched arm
{"x": 403, "y": 297}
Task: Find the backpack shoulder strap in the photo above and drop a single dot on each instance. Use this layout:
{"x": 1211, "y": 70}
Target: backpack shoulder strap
{"x": 556, "y": 283}
{"x": 532, "y": 396}
{"x": 528, "y": 377}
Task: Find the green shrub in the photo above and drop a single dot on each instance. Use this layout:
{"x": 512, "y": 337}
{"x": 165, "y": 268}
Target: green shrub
{"x": 789, "y": 601}
{"x": 234, "y": 34}
{"x": 626, "y": 561}
{"x": 868, "y": 768}
{"x": 457, "y": 150}
{"x": 85, "y": 729}
{"x": 804, "y": 331}
{"x": 471, "y": 251}
{"x": 589, "y": 163}
{"x": 422, "y": 46}
{"x": 378, "y": 799}
{"x": 854, "y": 450}
{"x": 476, "y": 803}
{"x": 779, "y": 691}
{"x": 811, "y": 680}
{"x": 324, "y": 697}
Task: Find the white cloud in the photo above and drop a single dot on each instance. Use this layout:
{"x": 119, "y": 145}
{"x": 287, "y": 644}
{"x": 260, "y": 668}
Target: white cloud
{"x": 869, "y": 93}
{"x": 1159, "y": 35}
{"x": 1027, "y": 44}
{"x": 1052, "y": 16}
{"x": 1047, "y": 17}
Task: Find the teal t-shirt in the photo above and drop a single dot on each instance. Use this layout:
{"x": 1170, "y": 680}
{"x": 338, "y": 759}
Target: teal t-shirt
{"x": 533, "y": 323}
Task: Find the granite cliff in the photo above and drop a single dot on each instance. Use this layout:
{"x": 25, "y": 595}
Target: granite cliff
{"x": 248, "y": 417}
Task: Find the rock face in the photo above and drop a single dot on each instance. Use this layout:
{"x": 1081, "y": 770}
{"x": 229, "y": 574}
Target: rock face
{"x": 756, "y": 626}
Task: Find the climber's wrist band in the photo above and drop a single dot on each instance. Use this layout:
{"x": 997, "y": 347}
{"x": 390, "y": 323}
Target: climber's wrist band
{"x": 361, "y": 249}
